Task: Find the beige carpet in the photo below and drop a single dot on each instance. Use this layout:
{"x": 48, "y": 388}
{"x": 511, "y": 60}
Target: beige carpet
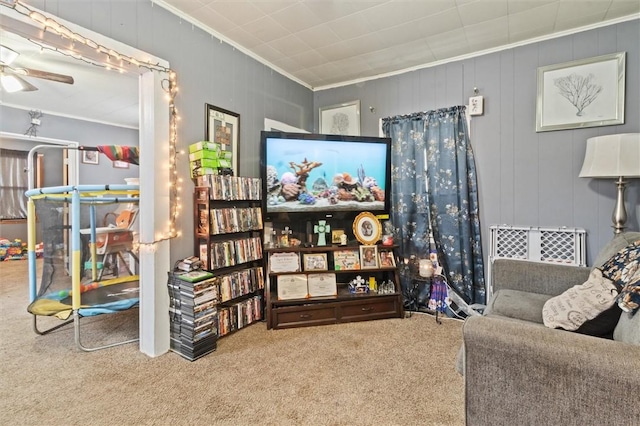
{"x": 388, "y": 372}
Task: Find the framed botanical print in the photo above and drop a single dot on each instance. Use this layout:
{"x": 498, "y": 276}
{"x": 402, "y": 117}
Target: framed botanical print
{"x": 583, "y": 93}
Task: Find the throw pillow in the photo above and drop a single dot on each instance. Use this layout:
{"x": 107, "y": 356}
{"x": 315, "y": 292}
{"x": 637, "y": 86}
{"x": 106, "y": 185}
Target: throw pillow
{"x": 580, "y": 303}
{"x": 624, "y": 270}
{"x": 603, "y": 325}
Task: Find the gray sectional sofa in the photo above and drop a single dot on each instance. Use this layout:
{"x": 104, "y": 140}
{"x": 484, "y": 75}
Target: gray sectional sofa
{"x": 519, "y": 372}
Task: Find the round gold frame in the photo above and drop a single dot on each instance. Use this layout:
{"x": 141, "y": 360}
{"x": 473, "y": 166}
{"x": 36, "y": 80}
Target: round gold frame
{"x": 367, "y": 229}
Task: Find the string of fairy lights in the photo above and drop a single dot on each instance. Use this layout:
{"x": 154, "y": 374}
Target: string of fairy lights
{"x": 119, "y": 62}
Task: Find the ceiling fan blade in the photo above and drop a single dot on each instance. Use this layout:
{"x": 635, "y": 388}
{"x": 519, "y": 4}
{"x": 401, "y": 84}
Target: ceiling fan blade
{"x": 14, "y": 83}
{"x": 60, "y": 78}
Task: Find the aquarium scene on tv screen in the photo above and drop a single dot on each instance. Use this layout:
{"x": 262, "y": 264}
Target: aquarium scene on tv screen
{"x": 323, "y": 173}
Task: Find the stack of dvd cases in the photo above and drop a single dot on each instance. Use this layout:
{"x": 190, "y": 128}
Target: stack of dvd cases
{"x": 193, "y": 313}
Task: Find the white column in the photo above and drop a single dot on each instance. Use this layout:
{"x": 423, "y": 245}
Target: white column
{"x": 154, "y": 214}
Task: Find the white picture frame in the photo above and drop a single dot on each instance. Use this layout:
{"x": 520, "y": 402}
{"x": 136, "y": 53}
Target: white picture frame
{"x": 368, "y": 257}
{"x": 90, "y": 157}
{"x": 583, "y": 93}
{"x": 341, "y": 119}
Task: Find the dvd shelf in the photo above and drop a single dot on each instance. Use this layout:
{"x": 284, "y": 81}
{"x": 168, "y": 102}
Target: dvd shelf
{"x": 228, "y": 242}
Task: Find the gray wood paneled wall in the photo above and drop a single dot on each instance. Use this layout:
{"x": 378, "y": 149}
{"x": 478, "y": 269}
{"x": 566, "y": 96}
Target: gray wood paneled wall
{"x": 208, "y": 71}
{"x": 525, "y": 178}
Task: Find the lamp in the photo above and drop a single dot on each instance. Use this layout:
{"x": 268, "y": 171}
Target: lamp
{"x": 614, "y": 157}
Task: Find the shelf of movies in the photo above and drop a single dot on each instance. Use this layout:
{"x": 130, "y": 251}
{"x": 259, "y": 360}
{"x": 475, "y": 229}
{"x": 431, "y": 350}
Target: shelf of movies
{"x": 241, "y": 314}
{"x": 232, "y": 219}
{"x": 228, "y": 188}
{"x": 232, "y": 252}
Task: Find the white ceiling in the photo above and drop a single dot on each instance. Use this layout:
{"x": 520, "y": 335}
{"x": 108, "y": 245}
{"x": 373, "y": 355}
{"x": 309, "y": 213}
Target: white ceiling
{"x": 319, "y": 43}
{"x": 324, "y": 43}
{"x": 96, "y": 94}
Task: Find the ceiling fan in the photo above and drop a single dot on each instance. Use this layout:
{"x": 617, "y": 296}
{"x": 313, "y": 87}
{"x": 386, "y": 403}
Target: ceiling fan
{"x": 11, "y": 80}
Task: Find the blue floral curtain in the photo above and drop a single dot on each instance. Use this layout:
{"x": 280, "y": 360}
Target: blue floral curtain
{"x": 433, "y": 185}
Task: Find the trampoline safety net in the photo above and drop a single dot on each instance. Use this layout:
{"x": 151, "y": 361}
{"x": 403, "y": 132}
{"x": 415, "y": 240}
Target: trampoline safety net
{"x": 109, "y": 281}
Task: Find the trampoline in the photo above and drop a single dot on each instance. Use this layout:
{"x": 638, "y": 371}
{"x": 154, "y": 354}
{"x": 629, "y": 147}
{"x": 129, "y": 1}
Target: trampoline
{"x": 88, "y": 268}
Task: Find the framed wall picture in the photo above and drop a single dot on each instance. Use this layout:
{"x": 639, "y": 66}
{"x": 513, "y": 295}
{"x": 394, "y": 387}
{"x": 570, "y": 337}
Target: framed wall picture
{"x": 223, "y": 127}
{"x": 584, "y": 93}
{"x": 366, "y": 228}
{"x": 120, "y": 164}
{"x": 368, "y": 257}
{"x": 341, "y": 119}
{"x": 90, "y": 157}
{"x": 315, "y": 262}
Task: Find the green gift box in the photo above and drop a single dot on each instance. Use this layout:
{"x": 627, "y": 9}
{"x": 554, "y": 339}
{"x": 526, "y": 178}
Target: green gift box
{"x": 202, "y": 145}
{"x": 205, "y": 162}
{"x": 204, "y": 153}
{"x": 202, "y": 171}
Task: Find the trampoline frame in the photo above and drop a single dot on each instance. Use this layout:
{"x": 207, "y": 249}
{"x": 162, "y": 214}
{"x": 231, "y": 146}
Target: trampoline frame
{"x": 75, "y": 195}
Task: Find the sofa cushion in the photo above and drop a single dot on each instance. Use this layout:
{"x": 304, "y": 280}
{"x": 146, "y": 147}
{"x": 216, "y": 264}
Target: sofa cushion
{"x": 517, "y": 304}
{"x": 617, "y": 243}
{"x": 628, "y": 329}
{"x": 580, "y": 303}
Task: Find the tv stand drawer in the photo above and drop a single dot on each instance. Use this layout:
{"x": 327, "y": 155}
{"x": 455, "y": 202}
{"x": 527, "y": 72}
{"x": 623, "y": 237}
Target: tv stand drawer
{"x": 300, "y": 316}
{"x": 375, "y": 308}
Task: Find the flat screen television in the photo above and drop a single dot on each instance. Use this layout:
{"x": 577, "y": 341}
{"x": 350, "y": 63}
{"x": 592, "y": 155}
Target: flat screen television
{"x": 316, "y": 175}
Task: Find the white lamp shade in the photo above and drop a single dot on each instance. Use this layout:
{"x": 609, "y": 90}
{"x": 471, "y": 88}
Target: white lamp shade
{"x": 612, "y": 156}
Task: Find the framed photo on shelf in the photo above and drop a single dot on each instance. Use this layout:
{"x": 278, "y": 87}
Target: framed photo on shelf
{"x": 346, "y": 260}
{"x": 335, "y": 235}
{"x": 223, "y": 127}
{"x": 90, "y": 157}
{"x": 315, "y": 262}
{"x": 386, "y": 259}
{"x": 292, "y": 287}
{"x": 583, "y": 93}
{"x": 341, "y": 119}
{"x": 120, "y": 164}
{"x": 366, "y": 228}
{"x": 368, "y": 257}
{"x": 284, "y": 262}
{"x": 322, "y": 285}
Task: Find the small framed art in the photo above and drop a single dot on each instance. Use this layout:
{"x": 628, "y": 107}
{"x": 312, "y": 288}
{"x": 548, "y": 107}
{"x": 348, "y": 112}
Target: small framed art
{"x": 386, "y": 259}
{"x": 335, "y": 235}
{"x": 90, "y": 157}
{"x": 368, "y": 257}
{"x": 223, "y": 127}
{"x": 366, "y": 228}
{"x": 346, "y": 260}
{"x": 315, "y": 262}
{"x": 341, "y": 119}
{"x": 120, "y": 164}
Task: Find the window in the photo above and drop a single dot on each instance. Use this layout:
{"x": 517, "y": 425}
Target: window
{"x": 14, "y": 181}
